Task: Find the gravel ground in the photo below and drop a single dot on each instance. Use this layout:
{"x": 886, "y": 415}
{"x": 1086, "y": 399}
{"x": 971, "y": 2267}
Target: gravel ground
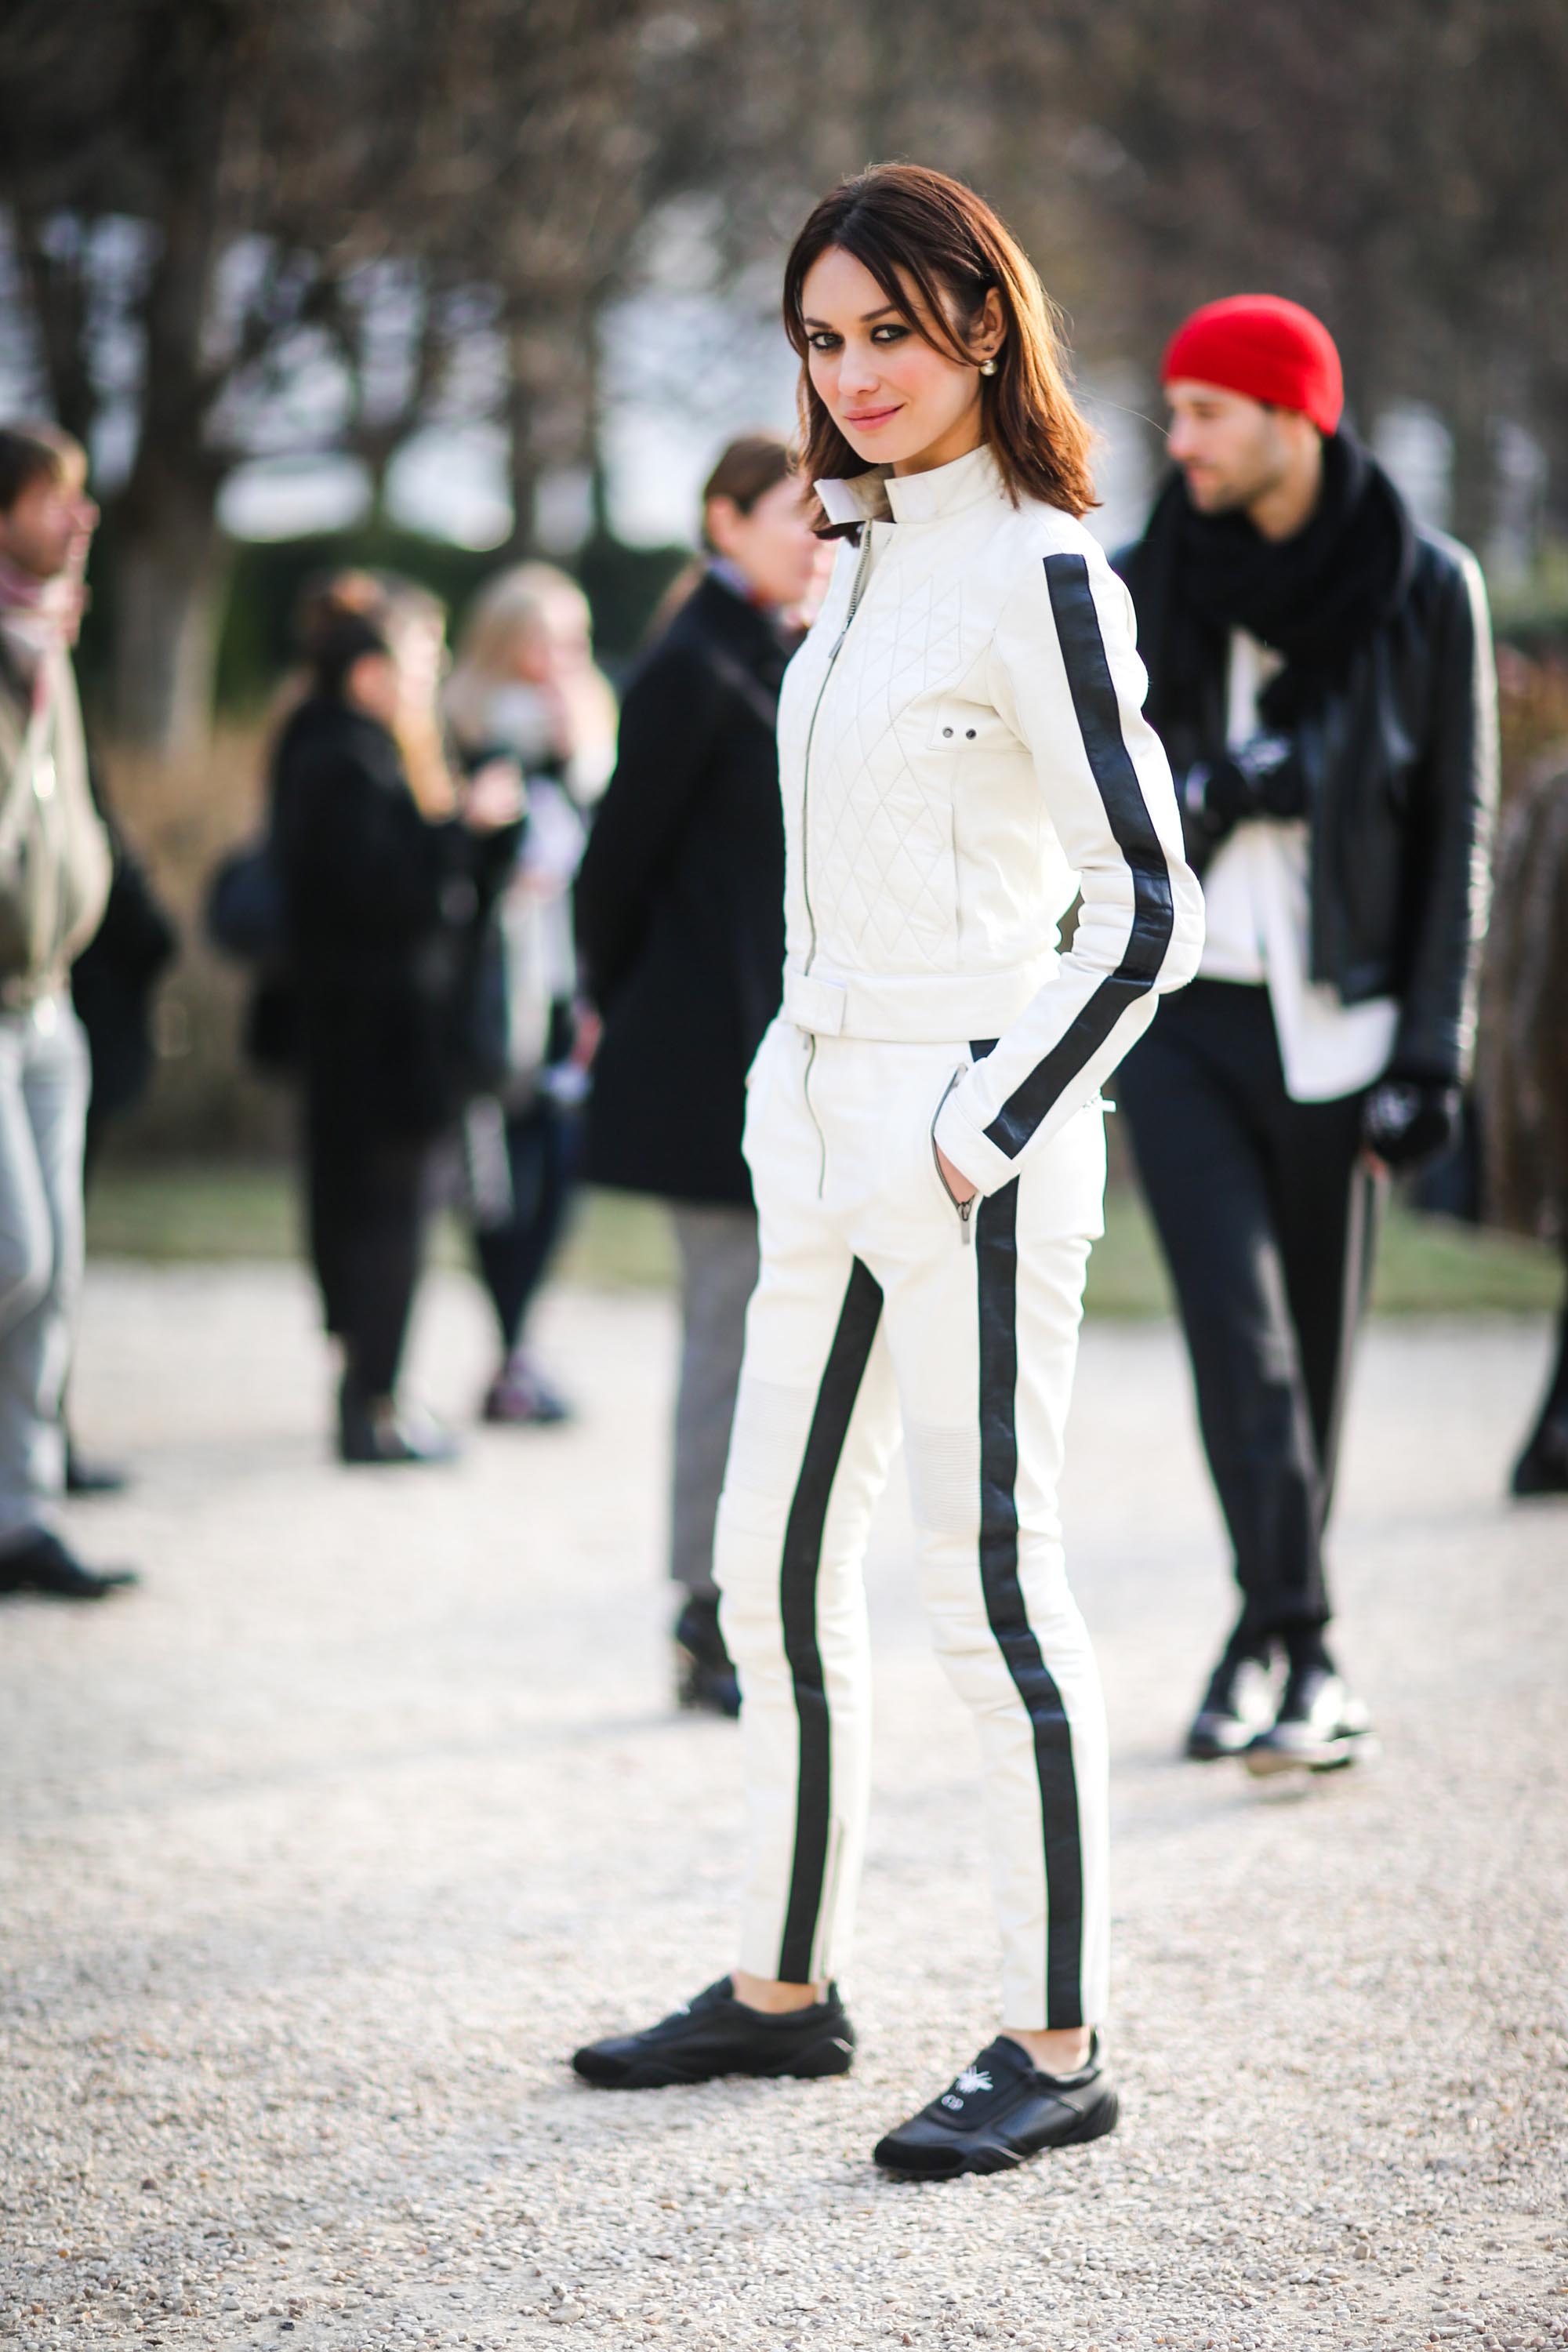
{"x": 318, "y": 1855}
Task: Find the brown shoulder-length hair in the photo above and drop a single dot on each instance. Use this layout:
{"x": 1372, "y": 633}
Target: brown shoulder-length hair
{"x": 912, "y": 229}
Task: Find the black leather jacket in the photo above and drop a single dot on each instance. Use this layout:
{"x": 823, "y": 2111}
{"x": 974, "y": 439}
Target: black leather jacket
{"x": 1401, "y": 763}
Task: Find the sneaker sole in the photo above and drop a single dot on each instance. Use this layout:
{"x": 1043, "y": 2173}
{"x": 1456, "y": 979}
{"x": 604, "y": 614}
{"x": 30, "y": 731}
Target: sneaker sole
{"x": 1329, "y": 1756}
{"x": 1201, "y": 1750}
{"x": 1101, "y": 2118}
{"x": 815, "y": 2064}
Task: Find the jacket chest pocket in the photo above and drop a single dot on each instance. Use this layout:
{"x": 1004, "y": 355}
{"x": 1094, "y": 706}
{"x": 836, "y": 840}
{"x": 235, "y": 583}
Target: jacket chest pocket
{"x": 962, "y": 728}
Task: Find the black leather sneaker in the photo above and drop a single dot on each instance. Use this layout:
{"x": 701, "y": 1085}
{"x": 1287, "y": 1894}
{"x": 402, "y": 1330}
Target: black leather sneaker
{"x": 1542, "y": 1467}
{"x": 1000, "y": 2112}
{"x": 705, "y": 1679}
{"x": 44, "y": 1565}
{"x": 84, "y": 1477}
{"x": 374, "y": 1433}
{"x": 1234, "y": 1709}
{"x": 717, "y": 2034}
{"x": 1320, "y": 1727}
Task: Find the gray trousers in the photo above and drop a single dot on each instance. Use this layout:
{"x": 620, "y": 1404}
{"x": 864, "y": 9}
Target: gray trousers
{"x": 44, "y": 1086}
{"x": 717, "y": 1248}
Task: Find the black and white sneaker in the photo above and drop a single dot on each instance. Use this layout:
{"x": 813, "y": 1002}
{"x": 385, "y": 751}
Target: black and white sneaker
{"x": 717, "y": 2034}
{"x": 1234, "y": 1709}
{"x": 1000, "y": 2112}
{"x": 1320, "y": 1727}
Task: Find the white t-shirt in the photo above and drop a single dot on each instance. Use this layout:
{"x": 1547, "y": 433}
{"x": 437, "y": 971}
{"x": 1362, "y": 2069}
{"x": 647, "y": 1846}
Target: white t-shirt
{"x": 1257, "y": 911}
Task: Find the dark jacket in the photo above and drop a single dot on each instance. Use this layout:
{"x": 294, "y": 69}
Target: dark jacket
{"x": 680, "y": 905}
{"x": 387, "y": 916}
{"x": 1401, "y": 765}
{"x": 1522, "y": 1077}
{"x": 113, "y": 979}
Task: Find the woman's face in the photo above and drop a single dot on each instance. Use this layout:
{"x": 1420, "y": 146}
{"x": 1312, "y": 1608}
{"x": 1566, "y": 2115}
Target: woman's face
{"x": 774, "y": 546}
{"x": 552, "y": 645}
{"x": 400, "y": 686}
{"x": 897, "y": 400}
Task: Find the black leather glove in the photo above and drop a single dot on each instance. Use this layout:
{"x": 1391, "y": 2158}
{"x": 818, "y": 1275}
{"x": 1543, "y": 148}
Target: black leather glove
{"x": 1411, "y": 1118}
{"x": 1264, "y": 778}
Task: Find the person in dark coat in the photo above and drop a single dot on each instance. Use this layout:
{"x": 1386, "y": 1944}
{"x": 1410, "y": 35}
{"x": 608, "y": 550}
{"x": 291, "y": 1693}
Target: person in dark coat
{"x": 1522, "y": 1072}
{"x": 113, "y": 982}
{"x": 679, "y": 914}
{"x": 388, "y": 877}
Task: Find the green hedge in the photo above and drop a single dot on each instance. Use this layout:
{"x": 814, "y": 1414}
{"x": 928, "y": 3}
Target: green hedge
{"x": 624, "y": 585}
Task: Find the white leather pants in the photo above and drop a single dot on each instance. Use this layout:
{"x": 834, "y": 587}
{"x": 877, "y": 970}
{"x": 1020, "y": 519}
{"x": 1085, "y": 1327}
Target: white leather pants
{"x": 879, "y": 1308}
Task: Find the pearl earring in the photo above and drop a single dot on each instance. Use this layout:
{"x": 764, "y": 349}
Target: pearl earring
{"x": 988, "y": 367}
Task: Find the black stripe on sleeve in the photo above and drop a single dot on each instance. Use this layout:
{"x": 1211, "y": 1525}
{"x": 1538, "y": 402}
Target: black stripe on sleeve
{"x": 997, "y": 1253}
{"x": 1153, "y": 912}
{"x": 842, "y": 1375}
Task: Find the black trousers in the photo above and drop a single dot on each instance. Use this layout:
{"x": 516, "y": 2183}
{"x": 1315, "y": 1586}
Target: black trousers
{"x": 541, "y": 1152}
{"x": 1267, "y": 1217}
{"x": 366, "y": 1199}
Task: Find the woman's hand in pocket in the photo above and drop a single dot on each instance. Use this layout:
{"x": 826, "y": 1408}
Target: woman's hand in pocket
{"x": 957, "y": 1182}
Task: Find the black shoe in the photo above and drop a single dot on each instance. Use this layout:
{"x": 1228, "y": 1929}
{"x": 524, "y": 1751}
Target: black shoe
{"x": 1234, "y": 1709}
{"x": 85, "y": 1477}
{"x": 1320, "y": 1727}
{"x": 371, "y": 1430}
{"x": 1542, "y": 1467}
{"x": 999, "y": 2113}
{"x": 705, "y": 1678}
{"x": 44, "y": 1565}
{"x": 717, "y": 2034}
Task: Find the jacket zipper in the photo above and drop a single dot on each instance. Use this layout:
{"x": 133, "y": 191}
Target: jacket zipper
{"x": 856, "y": 589}
{"x": 811, "y": 1114}
{"x": 966, "y": 1208}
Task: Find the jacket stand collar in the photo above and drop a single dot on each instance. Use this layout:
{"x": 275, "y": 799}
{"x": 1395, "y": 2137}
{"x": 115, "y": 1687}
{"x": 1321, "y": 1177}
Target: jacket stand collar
{"x": 881, "y": 496}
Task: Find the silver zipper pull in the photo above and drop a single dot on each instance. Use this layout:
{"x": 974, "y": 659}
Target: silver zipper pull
{"x": 966, "y": 1208}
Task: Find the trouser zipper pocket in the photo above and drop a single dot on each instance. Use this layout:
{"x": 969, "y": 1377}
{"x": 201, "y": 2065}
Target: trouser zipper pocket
{"x": 965, "y": 1209}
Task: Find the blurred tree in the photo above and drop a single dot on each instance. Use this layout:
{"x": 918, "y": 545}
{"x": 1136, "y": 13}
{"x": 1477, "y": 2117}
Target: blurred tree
{"x": 1401, "y": 169}
{"x": 285, "y": 225}
{"x": 196, "y": 189}
{"x": 244, "y": 227}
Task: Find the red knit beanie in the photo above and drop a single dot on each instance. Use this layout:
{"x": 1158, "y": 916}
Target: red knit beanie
{"x": 1261, "y": 345}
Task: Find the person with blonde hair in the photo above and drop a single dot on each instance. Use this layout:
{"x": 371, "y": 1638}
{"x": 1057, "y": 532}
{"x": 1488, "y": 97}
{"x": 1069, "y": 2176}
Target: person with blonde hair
{"x": 525, "y": 687}
{"x": 962, "y": 752}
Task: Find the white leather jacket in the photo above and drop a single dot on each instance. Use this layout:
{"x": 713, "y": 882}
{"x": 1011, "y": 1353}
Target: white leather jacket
{"x": 961, "y": 752}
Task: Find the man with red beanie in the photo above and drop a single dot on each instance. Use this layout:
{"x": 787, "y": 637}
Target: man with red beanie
{"x": 1320, "y": 671}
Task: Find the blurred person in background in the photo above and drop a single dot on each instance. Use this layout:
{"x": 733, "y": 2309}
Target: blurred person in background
{"x": 388, "y": 868}
{"x": 1522, "y": 1079}
{"x": 113, "y": 986}
{"x": 1320, "y": 672}
{"x": 525, "y": 686}
{"x": 681, "y": 917}
{"x": 54, "y": 870}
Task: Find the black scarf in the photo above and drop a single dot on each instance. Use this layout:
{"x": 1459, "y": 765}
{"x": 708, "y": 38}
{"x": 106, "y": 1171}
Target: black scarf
{"x": 1314, "y": 598}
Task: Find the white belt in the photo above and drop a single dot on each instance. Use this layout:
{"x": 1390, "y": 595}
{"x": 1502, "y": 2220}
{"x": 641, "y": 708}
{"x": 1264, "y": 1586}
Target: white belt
{"x": 912, "y": 1008}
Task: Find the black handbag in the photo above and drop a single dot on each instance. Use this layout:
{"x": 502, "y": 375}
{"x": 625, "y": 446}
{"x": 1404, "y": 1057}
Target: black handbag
{"x": 245, "y": 916}
{"x": 246, "y": 919}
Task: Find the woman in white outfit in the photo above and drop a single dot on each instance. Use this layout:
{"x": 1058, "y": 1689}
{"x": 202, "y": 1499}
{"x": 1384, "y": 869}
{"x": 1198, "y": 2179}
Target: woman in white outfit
{"x": 962, "y": 750}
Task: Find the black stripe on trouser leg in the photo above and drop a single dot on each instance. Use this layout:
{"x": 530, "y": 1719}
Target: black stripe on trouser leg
{"x": 996, "y": 1254}
{"x": 1362, "y": 1220}
{"x": 841, "y": 1379}
{"x": 1099, "y": 718}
